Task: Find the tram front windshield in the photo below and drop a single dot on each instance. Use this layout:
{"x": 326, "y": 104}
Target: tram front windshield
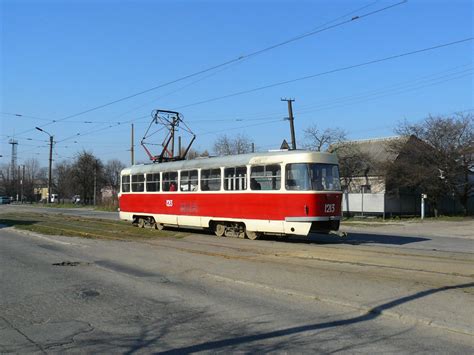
{"x": 312, "y": 177}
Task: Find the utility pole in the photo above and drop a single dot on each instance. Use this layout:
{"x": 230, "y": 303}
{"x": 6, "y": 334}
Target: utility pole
{"x": 50, "y": 173}
{"x": 132, "y": 148}
{"x": 292, "y": 124}
{"x": 50, "y": 161}
{"x": 14, "y": 144}
{"x": 22, "y": 182}
{"x": 95, "y": 182}
{"x": 173, "y": 129}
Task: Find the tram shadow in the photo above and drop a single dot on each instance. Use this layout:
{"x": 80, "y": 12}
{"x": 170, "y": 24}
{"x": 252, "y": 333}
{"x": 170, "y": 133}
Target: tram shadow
{"x": 351, "y": 239}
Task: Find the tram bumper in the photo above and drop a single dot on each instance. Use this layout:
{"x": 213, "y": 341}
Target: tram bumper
{"x": 306, "y": 225}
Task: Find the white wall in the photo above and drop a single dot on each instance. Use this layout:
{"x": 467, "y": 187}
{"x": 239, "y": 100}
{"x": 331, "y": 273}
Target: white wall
{"x": 367, "y": 202}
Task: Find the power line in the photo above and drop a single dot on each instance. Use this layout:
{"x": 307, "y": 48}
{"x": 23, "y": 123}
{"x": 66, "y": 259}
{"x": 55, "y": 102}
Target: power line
{"x": 354, "y": 66}
{"x": 237, "y": 59}
{"x": 325, "y": 73}
{"x": 383, "y": 93}
{"x": 389, "y": 87}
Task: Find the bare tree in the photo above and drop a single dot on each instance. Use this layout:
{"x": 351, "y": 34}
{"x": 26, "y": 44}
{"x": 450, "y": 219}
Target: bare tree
{"x": 352, "y": 162}
{"x": 112, "y": 175}
{"x": 447, "y": 166}
{"x": 240, "y": 144}
{"x": 64, "y": 181}
{"x": 32, "y": 169}
{"x": 87, "y": 175}
{"x": 321, "y": 139}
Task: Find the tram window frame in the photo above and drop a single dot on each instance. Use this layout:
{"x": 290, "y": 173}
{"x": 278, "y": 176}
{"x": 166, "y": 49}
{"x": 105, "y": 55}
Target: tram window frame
{"x": 126, "y": 183}
{"x": 152, "y": 183}
{"x": 235, "y": 178}
{"x": 212, "y": 178}
{"x": 189, "y": 178}
{"x": 138, "y": 182}
{"x": 261, "y": 180}
{"x": 168, "y": 178}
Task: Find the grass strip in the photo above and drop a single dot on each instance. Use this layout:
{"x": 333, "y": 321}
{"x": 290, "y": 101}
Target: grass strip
{"x": 82, "y": 227}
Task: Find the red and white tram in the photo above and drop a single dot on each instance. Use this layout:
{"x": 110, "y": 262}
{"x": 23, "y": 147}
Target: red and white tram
{"x": 283, "y": 192}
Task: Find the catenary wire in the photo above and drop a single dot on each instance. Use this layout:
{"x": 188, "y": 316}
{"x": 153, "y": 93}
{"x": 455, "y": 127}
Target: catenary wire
{"x": 234, "y": 60}
{"x": 375, "y": 61}
{"x": 350, "y": 67}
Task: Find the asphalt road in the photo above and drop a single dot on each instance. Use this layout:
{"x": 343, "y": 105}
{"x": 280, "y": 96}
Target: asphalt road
{"x": 204, "y": 294}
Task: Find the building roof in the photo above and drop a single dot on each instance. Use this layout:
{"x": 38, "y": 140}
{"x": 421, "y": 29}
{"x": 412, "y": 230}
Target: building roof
{"x": 378, "y": 150}
{"x": 372, "y": 155}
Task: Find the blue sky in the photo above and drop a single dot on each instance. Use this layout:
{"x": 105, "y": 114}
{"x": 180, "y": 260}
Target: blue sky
{"x": 59, "y": 58}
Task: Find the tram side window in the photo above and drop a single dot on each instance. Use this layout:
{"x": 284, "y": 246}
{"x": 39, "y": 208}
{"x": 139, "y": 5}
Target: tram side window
{"x": 211, "y": 180}
{"x": 170, "y": 181}
{"x": 265, "y": 177}
{"x": 138, "y": 183}
{"x": 189, "y": 180}
{"x": 235, "y": 179}
{"x": 153, "y": 182}
{"x": 126, "y": 183}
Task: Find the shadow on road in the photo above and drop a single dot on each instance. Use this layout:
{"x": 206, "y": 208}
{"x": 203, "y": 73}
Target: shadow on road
{"x": 352, "y": 239}
{"x": 370, "y": 315}
{"x": 12, "y": 223}
{"x": 364, "y": 238}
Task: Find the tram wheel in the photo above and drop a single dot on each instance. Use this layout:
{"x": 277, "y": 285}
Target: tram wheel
{"x": 141, "y": 223}
{"x": 219, "y": 229}
{"x": 159, "y": 226}
{"x": 252, "y": 235}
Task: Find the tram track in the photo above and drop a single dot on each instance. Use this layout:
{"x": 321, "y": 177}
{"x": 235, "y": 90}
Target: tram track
{"x": 398, "y": 271}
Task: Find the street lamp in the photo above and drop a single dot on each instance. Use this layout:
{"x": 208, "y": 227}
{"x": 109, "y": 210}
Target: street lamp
{"x": 50, "y": 161}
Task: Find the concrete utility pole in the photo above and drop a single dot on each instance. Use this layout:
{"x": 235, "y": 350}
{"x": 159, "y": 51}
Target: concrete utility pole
{"x": 50, "y": 161}
{"x": 423, "y": 197}
{"x": 291, "y": 119}
{"x": 95, "y": 182}
{"x": 132, "y": 148}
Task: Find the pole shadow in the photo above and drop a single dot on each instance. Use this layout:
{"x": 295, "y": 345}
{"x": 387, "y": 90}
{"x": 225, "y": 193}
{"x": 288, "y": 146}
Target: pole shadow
{"x": 369, "y": 315}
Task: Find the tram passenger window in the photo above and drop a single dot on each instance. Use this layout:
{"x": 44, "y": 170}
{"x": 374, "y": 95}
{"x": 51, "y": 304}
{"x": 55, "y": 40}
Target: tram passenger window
{"x": 210, "y": 180}
{"x": 138, "y": 183}
{"x": 235, "y": 179}
{"x": 265, "y": 177}
{"x": 153, "y": 182}
{"x": 126, "y": 183}
{"x": 170, "y": 181}
{"x": 189, "y": 180}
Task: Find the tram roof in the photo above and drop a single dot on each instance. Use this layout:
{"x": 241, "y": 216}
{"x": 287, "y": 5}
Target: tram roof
{"x": 272, "y": 157}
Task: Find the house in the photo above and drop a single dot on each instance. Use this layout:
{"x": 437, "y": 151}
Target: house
{"x": 373, "y": 171}
{"x": 363, "y": 169}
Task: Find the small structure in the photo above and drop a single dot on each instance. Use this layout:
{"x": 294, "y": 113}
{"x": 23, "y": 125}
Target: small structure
{"x": 363, "y": 165}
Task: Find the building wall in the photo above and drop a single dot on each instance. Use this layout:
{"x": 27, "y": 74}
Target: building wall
{"x": 376, "y": 183}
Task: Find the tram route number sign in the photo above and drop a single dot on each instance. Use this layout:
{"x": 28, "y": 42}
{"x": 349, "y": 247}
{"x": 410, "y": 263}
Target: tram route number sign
{"x": 329, "y": 207}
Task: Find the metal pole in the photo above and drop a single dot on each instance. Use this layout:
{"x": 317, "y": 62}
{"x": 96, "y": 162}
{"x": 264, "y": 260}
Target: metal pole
{"x": 132, "y": 149}
{"x": 95, "y": 182}
{"x": 172, "y": 136}
{"x": 423, "y": 196}
{"x": 50, "y": 167}
{"x": 291, "y": 119}
{"x": 362, "y": 201}
{"x": 22, "y": 182}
